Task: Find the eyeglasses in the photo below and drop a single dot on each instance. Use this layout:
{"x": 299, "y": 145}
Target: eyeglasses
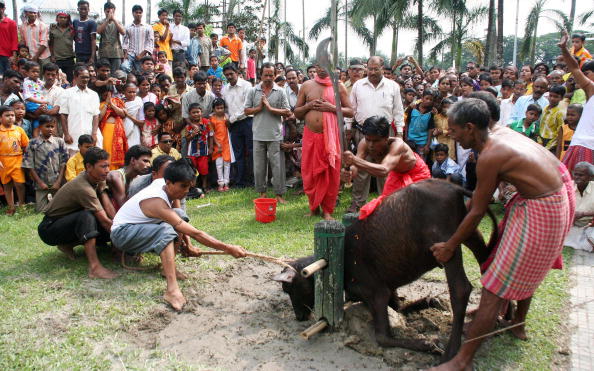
{"x": 167, "y": 141}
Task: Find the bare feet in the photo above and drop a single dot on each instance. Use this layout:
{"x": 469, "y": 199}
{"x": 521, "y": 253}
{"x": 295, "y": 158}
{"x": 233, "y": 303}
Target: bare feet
{"x": 520, "y": 332}
{"x": 179, "y": 275}
{"x": 102, "y": 272}
{"x": 175, "y": 299}
{"x": 451, "y": 365}
{"x": 68, "y": 250}
{"x": 327, "y": 216}
{"x": 313, "y": 212}
{"x": 281, "y": 200}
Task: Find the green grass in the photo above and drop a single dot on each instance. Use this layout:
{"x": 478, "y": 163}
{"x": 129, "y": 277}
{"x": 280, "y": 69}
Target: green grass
{"x": 53, "y": 316}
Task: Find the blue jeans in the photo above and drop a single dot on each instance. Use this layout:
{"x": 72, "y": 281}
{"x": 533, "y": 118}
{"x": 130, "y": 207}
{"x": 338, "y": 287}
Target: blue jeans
{"x": 131, "y": 64}
{"x": 241, "y": 139}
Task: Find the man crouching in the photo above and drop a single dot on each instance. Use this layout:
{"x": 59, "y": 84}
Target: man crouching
{"x": 147, "y": 222}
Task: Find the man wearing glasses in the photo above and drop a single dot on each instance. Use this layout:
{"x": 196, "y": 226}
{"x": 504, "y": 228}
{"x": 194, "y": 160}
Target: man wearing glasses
{"x": 164, "y": 147}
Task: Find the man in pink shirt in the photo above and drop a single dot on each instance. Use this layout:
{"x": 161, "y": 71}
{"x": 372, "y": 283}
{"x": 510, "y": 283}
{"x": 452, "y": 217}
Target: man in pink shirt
{"x": 10, "y": 41}
{"x": 35, "y": 34}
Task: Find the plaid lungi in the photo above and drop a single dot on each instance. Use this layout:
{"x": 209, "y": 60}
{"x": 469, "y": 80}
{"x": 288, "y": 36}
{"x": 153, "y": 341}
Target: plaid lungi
{"x": 577, "y": 154}
{"x": 531, "y": 242}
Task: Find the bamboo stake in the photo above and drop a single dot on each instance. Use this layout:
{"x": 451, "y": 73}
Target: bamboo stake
{"x": 314, "y": 329}
{"x": 313, "y": 268}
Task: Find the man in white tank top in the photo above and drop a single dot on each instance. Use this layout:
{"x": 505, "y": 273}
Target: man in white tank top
{"x": 147, "y": 222}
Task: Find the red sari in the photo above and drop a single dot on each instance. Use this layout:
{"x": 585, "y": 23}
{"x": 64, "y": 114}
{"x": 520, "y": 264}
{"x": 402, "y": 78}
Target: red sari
{"x": 114, "y": 134}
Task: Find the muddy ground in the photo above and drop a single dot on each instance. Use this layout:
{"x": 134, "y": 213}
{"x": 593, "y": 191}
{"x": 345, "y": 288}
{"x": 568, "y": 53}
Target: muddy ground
{"x": 237, "y": 318}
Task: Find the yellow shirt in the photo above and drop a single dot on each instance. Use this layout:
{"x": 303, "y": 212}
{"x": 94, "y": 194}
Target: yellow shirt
{"x": 74, "y": 166}
{"x": 166, "y": 44}
{"x": 158, "y": 152}
{"x": 550, "y": 122}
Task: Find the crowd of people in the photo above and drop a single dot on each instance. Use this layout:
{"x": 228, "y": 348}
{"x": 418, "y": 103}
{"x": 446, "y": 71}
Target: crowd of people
{"x": 109, "y": 137}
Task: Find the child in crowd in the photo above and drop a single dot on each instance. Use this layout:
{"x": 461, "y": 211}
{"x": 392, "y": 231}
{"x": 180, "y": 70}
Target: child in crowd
{"x": 46, "y": 158}
{"x": 163, "y": 64}
{"x": 420, "y": 123}
{"x": 444, "y": 167}
{"x": 528, "y": 125}
{"x": 151, "y": 126}
{"x": 466, "y": 87}
{"x": 156, "y": 89}
{"x": 20, "y": 120}
{"x": 215, "y": 70}
{"x": 410, "y": 95}
{"x": 132, "y": 122}
{"x": 13, "y": 141}
{"x": 574, "y": 113}
{"x": 23, "y": 52}
{"x": 75, "y": 164}
{"x": 519, "y": 90}
{"x": 222, "y": 153}
{"x": 552, "y": 119}
{"x": 485, "y": 81}
{"x": 578, "y": 49}
{"x": 168, "y": 125}
{"x": 251, "y": 67}
{"x": 441, "y": 128}
{"x": 217, "y": 87}
{"x": 506, "y": 105}
{"x": 191, "y": 72}
{"x": 199, "y": 137}
{"x": 33, "y": 92}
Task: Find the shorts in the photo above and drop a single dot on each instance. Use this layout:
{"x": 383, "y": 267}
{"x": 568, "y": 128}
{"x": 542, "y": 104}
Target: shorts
{"x": 12, "y": 170}
{"x": 200, "y": 163}
{"x": 136, "y": 239}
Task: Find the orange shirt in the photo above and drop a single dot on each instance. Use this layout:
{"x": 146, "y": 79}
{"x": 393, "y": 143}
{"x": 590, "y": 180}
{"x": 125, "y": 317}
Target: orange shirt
{"x": 583, "y": 54}
{"x": 234, "y": 45}
{"x": 13, "y": 141}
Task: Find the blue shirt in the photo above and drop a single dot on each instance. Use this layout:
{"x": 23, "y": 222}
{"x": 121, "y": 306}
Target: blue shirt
{"x": 419, "y": 125}
{"x": 218, "y": 73}
{"x": 193, "y": 52}
{"x": 448, "y": 167}
{"x": 82, "y": 37}
{"x": 519, "y": 110}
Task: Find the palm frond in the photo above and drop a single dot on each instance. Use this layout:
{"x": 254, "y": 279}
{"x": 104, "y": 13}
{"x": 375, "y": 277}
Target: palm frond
{"x": 584, "y": 17}
{"x": 320, "y": 25}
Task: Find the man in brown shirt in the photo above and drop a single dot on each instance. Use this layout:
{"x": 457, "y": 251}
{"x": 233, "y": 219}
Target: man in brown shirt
{"x": 80, "y": 213}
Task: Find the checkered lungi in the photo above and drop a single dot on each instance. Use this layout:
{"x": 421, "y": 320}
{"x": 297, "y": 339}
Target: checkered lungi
{"x": 577, "y": 154}
{"x": 531, "y": 242}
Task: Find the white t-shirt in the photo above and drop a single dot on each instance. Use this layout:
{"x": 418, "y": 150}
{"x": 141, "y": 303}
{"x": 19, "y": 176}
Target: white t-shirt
{"x": 131, "y": 213}
{"x": 584, "y": 133}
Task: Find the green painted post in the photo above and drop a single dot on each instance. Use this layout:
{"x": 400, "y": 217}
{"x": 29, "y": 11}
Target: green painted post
{"x": 349, "y": 218}
{"x": 329, "y": 282}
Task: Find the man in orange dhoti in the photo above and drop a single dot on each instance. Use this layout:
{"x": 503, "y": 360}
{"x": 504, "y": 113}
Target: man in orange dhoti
{"x": 320, "y": 161}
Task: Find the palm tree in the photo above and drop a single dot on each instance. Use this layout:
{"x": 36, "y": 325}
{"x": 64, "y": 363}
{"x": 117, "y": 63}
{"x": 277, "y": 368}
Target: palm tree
{"x": 191, "y": 13}
{"x": 420, "y": 32}
{"x": 283, "y": 36}
{"x": 537, "y": 12}
{"x": 460, "y": 35}
{"x": 585, "y": 16}
{"x": 499, "y": 58}
{"x": 148, "y": 11}
{"x": 490, "y": 49}
{"x": 15, "y": 12}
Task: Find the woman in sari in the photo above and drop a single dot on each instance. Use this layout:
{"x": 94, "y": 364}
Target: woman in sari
{"x": 111, "y": 124}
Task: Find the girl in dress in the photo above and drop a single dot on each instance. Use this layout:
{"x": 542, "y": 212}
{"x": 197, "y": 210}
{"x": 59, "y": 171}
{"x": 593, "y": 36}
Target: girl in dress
{"x": 133, "y": 123}
{"x": 222, "y": 153}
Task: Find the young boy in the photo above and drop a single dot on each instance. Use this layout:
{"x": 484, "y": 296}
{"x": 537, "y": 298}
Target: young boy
{"x": 215, "y": 70}
{"x": 46, "y": 158}
{"x": 444, "y": 167}
{"x": 200, "y": 142}
{"x": 578, "y": 50}
{"x": 191, "y": 72}
{"x": 75, "y": 164}
{"x": 251, "y": 67}
{"x": 13, "y": 140}
{"x": 552, "y": 119}
{"x": 574, "y": 113}
{"x": 419, "y": 123}
{"x": 35, "y": 100}
{"x": 19, "y": 118}
{"x": 506, "y": 105}
{"x": 528, "y": 125}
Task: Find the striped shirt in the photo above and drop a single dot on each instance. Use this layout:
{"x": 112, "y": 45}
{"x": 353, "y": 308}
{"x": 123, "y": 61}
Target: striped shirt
{"x": 35, "y": 35}
{"x": 138, "y": 38}
{"x": 47, "y": 157}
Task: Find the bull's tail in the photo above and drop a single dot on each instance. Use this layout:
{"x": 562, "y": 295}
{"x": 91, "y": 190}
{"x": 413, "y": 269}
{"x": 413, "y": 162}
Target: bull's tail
{"x": 476, "y": 242}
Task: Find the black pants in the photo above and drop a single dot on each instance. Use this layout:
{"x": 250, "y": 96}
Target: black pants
{"x": 67, "y": 66}
{"x": 179, "y": 59}
{"x": 241, "y": 138}
{"x": 78, "y": 227}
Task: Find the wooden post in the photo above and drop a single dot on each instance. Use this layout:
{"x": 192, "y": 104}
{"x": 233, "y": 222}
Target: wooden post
{"x": 349, "y": 219}
{"x": 329, "y": 282}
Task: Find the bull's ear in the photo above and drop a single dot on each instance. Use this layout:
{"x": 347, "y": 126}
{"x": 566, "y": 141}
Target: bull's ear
{"x": 286, "y": 275}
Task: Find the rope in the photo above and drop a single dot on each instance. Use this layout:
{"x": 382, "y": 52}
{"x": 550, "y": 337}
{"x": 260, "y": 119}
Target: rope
{"x": 270, "y": 259}
{"x": 495, "y": 332}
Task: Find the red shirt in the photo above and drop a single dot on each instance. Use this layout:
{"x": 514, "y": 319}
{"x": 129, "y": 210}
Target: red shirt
{"x": 8, "y": 35}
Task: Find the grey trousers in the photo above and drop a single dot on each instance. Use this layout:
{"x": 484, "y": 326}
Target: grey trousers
{"x": 361, "y": 184}
{"x": 269, "y": 152}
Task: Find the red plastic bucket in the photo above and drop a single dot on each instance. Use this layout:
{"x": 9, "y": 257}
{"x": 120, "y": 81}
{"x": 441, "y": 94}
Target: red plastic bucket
{"x": 265, "y": 209}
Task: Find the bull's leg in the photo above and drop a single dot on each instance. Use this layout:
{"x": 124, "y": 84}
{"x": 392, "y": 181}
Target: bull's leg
{"x": 377, "y": 303}
{"x": 460, "y": 289}
{"x": 420, "y": 304}
{"x": 477, "y": 245}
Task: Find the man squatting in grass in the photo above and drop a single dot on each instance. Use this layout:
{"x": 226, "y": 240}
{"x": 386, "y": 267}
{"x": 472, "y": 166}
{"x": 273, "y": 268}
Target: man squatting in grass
{"x": 147, "y": 222}
{"x": 537, "y": 218}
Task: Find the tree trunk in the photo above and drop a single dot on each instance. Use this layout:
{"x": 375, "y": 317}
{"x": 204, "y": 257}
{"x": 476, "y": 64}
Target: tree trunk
{"x": 124, "y": 13}
{"x": 420, "y": 32}
{"x": 533, "y": 46}
{"x": 148, "y": 11}
{"x": 346, "y": 33}
{"x": 394, "y": 55}
{"x": 571, "y": 16}
{"x": 453, "y": 41}
{"x": 15, "y": 12}
{"x": 374, "y": 37}
{"x": 499, "y": 60}
{"x": 490, "y": 42}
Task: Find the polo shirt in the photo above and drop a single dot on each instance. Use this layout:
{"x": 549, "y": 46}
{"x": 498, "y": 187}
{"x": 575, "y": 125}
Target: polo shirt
{"x": 158, "y": 152}
{"x": 61, "y": 42}
{"x": 267, "y": 126}
{"x": 76, "y": 195}
{"x": 234, "y": 45}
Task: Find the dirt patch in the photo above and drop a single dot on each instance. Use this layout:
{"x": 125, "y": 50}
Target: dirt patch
{"x": 238, "y": 318}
